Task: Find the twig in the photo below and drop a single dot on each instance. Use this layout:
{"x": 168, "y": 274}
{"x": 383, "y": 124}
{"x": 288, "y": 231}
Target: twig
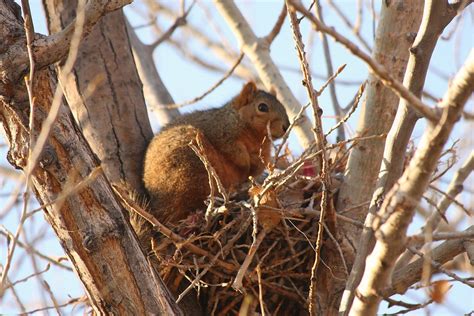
{"x": 209, "y": 91}
{"x": 277, "y": 27}
{"x": 28, "y": 248}
{"x": 260, "y": 290}
{"x": 12, "y": 284}
{"x": 330, "y": 80}
{"x": 213, "y": 261}
{"x": 336, "y": 243}
{"x": 374, "y": 66}
{"x": 180, "y": 21}
{"x": 132, "y": 205}
{"x": 287, "y": 134}
{"x": 332, "y": 86}
{"x": 355, "y": 28}
{"x": 51, "y": 296}
{"x": 438, "y": 266}
{"x": 451, "y": 199}
{"x": 420, "y": 238}
{"x": 71, "y": 301}
{"x": 409, "y": 307}
{"x": 71, "y": 189}
{"x": 409, "y": 274}
{"x": 320, "y": 142}
{"x": 237, "y": 284}
{"x": 454, "y": 188}
{"x": 212, "y": 174}
{"x": 350, "y": 112}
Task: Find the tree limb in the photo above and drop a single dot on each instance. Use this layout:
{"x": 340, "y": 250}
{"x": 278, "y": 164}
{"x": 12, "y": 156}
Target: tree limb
{"x": 258, "y": 52}
{"x": 398, "y": 208}
{"x": 50, "y": 49}
{"x": 435, "y": 18}
{"x": 90, "y": 224}
{"x": 408, "y": 275}
{"x": 379, "y": 70}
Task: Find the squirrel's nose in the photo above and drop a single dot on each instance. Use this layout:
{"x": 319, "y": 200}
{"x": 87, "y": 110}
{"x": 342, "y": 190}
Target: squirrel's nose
{"x": 285, "y": 127}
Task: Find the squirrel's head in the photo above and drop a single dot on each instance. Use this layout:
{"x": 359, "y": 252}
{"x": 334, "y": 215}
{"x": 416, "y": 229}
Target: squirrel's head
{"x": 260, "y": 109}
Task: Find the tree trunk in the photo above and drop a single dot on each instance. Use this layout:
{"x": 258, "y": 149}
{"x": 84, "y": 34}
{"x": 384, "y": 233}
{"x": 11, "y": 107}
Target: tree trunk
{"x": 391, "y": 50}
{"x": 105, "y": 93}
{"x": 89, "y": 221}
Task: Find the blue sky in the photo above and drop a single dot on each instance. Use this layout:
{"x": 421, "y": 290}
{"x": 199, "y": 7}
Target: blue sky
{"x": 185, "y": 80}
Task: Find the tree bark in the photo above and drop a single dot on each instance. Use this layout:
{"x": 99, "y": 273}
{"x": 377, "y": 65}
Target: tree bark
{"x": 90, "y": 222}
{"x": 105, "y": 93}
{"x": 154, "y": 89}
{"x": 259, "y": 53}
{"x": 391, "y": 50}
{"x": 397, "y": 210}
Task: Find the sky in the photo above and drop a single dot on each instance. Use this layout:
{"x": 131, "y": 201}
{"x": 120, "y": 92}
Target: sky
{"x": 185, "y": 81}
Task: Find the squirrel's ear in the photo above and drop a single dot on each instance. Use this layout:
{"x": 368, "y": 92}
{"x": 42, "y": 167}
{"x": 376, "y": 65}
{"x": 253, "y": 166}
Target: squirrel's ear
{"x": 273, "y": 91}
{"x": 246, "y": 95}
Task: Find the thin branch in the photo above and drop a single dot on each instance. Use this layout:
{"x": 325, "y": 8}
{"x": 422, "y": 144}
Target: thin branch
{"x": 208, "y": 91}
{"x": 354, "y": 27}
{"x": 258, "y": 52}
{"x": 454, "y": 188}
{"x": 408, "y": 275}
{"x": 351, "y": 110}
{"x": 180, "y": 21}
{"x": 438, "y": 266}
{"x": 420, "y": 238}
{"x": 12, "y": 284}
{"x": 391, "y": 223}
{"x": 323, "y": 162}
{"x": 28, "y": 248}
{"x": 329, "y": 66}
{"x": 374, "y": 66}
{"x": 277, "y": 27}
{"x": 132, "y": 206}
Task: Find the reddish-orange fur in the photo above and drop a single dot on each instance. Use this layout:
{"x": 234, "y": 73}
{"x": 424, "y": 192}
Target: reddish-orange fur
{"x": 235, "y": 142}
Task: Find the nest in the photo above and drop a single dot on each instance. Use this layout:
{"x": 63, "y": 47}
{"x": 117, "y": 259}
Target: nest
{"x": 252, "y": 254}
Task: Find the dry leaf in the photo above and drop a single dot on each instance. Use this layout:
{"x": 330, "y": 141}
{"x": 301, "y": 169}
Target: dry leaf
{"x": 268, "y": 206}
{"x": 438, "y": 290}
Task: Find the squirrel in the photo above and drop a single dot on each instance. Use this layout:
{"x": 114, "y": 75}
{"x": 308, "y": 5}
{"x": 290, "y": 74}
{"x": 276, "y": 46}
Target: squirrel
{"x": 236, "y": 142}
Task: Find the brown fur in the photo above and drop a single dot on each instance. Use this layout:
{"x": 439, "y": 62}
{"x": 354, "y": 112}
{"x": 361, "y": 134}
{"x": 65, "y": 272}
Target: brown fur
{"x": 234, "y": 143}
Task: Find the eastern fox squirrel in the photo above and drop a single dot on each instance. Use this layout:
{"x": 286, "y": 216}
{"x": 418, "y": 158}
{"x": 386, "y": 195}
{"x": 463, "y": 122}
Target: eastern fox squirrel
{"x": 235, "y": 141}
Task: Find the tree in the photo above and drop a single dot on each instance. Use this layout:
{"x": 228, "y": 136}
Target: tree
{"x": 75, "y": 120}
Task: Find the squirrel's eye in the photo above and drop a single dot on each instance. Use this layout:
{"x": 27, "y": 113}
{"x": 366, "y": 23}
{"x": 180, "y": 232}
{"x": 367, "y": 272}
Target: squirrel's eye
{"x": 262, "y": 107}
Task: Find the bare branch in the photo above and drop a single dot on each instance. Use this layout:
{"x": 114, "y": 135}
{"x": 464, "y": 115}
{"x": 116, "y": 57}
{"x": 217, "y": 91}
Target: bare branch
{"x": 180, "y": 21}
{"x": 258, "y": 52}
{"x": 398, "y": 208}
{"x": 154, "y": 89}
{"x": 354, "y": 27}
{"x": 454, "y": 188}
{"x": 208, "y": 91}
{"x": 404, "y": 277}
{"x": 329, "y": 67}
{"x": 320, "y": 143}
{"x": 391, "y": 167}
{"x": 50, "y": 49}
{"x": 277, "y": 27}
{"x": 379, "y": 70}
